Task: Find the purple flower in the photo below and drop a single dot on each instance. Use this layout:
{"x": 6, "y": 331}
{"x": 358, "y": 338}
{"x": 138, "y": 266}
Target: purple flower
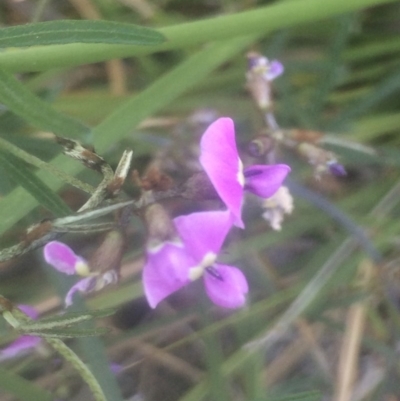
{"x": 172, "y": 265}
{"x": 336, "y": 168}
{"x": 220, "y": 159}
{"x": 64, "y": 259}
{"x": 22, "y": 344}
{"x": 269, "y": 70}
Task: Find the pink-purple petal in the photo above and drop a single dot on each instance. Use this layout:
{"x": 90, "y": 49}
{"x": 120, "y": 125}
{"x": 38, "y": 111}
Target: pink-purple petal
{"x": 20, "y": 346}
{"x": 29, "y": 310}
{"x": 204, "y": 232}
{"x": 229, "y": 290}
{"x": 220, "y": 160}
{"x": 263, "y": 180}
{"x": 61, "y": 257}
{"x": 85, "y": 285}
{"x": 276, "y": 69}
{"x": 165, "y": 272}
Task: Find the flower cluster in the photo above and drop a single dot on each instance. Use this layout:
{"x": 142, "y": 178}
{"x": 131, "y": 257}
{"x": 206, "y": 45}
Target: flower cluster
{"x": 188, "y": 248}
{"x": 182, "y": 250}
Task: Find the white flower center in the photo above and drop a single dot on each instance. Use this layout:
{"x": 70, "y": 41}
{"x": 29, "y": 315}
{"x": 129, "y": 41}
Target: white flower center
{"x": 156, "y": 246}
{"x": 240, "y": 175}
{"x": 197, "y": 271}
{"x": 82, "y": 269}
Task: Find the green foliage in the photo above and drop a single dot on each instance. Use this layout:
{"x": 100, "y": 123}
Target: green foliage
{"x": 341, "y": 77}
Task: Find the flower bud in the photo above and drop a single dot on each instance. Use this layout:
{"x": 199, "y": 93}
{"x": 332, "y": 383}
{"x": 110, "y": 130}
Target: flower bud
{"x": 322, "y": 160}
{"x": 260, "y": 146}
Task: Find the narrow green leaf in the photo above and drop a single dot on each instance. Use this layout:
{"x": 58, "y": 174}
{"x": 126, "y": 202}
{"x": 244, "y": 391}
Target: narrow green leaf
{"x": 18, "y": 171}
{"x": 34, "y": 110}
{"x": 68, "y": 319}
{"x": 21, "y": 388}
{"x": 78, "y": 31}
{"x": 70, "y": 333}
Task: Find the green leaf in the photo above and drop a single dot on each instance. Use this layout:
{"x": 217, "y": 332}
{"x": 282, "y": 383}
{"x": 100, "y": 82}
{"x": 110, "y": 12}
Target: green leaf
{"x": 78, "y": 31}
{"x": 21, "y": 388}
{"x": 34, "y": 110}
{"x": 70, "y": 333}
{"x": 23, "y": 176}
{"x": 68, "y": 319}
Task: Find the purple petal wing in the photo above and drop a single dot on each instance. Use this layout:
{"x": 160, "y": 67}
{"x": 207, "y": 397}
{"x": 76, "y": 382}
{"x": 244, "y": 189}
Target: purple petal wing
{"x": 264, "y": 180}
{"x": 229, "y": 289}
{"x": 85, "y": 285}
{"x": 204, "y": 232}
{"x": 220, "y": 160}
{"x": 29, "y": 310}
{"x": 276, "y": 68}
{"x": 20, "y": 346}
{"x": 165, "y": 272}
{"x": 62, "y": 257}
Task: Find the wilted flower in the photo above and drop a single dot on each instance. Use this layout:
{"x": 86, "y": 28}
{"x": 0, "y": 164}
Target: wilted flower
{"x": 220, "y": 159}
{"x": 277, "y": 206}
{"x": 322, "y": 160}
{"x": 64, "y": 259}
{"x": 260, "y": 73}
{"x": 22, "y": 344}
{"x": 172, "y": 264}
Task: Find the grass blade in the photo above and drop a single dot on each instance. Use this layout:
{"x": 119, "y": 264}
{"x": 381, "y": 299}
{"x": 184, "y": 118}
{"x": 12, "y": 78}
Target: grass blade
{"x": 34, "y": 110}
{"x": 78, "y": 31}
{"x": 18, "y": 171}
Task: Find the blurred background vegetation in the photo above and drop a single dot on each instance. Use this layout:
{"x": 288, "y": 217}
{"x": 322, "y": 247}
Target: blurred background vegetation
{"x": 324, "y": 290}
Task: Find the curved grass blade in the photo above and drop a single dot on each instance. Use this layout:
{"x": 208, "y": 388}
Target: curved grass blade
{"x": 23, "y": 176}
{"x": 66, "y": 320}
{"x": 69, "y": 333}
{"x": 78, "y": 31}
{"x": 34, "y": 110}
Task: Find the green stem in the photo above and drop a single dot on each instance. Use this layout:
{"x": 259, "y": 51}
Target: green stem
{"x": 35, "y": 161}
{"x": 79, "y": 366}
{"x": 258, "y": 21}
{"x": 15, "y": 317}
